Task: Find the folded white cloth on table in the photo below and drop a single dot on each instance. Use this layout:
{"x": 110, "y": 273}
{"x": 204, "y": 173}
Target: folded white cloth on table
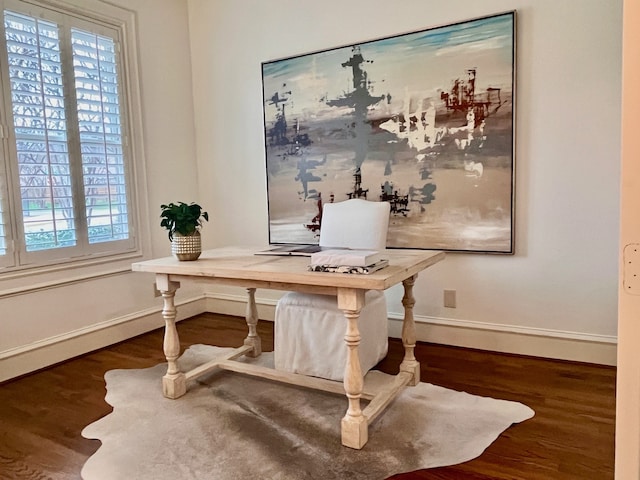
{"x": 343, "y": 256}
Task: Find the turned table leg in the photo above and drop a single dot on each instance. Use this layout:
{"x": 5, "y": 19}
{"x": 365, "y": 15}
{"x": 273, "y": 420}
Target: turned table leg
{"x": 354, "y": 423}
{"x": 409, "y": 363}
{"x": 252, "y": 340}
{"x": 174, "y": 383}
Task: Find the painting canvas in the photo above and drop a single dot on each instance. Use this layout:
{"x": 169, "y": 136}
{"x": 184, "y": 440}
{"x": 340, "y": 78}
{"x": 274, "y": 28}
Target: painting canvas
{"x": 423, "y": 120}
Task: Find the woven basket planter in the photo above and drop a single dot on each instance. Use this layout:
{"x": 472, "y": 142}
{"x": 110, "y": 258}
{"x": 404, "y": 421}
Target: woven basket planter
{"x": 186, "y": 248}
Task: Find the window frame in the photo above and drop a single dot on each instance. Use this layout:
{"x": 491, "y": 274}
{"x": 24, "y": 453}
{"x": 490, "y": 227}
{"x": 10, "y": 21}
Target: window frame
{"x": 119, "y": 24}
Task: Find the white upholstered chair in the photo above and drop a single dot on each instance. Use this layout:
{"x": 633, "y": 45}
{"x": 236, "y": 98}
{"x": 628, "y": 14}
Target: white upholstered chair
{"x": 309, "y": 328}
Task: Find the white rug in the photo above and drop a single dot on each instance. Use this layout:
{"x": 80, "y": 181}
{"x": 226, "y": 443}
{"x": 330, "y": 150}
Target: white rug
{"x": 231, "y": 426}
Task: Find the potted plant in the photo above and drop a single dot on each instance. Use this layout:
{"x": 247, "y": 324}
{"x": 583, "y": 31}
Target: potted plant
{"x": 183, "y": 221}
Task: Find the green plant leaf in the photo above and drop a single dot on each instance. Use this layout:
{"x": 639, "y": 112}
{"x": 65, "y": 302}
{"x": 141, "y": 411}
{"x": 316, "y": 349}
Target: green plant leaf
{"x": 182, "y": 218}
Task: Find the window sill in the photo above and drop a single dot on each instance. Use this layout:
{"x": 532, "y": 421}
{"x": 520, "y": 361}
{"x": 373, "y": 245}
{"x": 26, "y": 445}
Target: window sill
{"x": 20, "y": 282}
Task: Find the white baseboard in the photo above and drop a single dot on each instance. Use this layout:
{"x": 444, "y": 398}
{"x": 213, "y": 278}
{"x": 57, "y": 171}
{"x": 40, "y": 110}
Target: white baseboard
{"x": 555, "y": 344}
{"x": 236, "y": 305}
{"x": 35, "y": 356}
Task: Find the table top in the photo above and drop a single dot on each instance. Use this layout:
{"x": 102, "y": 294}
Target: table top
{"x": 241, "y": 264}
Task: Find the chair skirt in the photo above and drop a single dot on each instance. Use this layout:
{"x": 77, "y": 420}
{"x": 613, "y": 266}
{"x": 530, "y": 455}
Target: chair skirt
{"x": 310, "y": 330}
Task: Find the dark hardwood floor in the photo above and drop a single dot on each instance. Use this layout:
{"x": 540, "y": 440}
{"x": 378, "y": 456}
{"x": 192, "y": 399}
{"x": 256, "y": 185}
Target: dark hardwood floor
{"x": 571, "y": 436}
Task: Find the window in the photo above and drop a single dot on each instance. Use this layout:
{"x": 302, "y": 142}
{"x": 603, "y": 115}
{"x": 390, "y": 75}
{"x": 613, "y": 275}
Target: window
{"x": 65, "y": 169}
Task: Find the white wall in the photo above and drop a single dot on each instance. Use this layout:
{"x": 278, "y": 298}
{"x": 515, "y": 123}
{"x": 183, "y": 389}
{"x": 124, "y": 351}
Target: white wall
{"x": 47, "y": 318}
{"x": 561, "y": 284}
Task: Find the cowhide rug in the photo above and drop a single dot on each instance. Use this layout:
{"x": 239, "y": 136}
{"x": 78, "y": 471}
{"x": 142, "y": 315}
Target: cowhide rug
{"x": 231, "y": 426}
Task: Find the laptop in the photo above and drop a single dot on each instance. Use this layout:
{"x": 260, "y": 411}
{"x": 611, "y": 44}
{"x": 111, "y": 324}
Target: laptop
{"x": 291, "y": 249}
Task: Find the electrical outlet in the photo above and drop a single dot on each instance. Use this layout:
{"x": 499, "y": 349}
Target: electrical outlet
{"x": 156, "y": 292}
{"x": 450, "y": 298}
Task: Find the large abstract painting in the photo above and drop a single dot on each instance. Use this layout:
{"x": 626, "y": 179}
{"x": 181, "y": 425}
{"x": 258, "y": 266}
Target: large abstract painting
{"x": 423, "y": 120}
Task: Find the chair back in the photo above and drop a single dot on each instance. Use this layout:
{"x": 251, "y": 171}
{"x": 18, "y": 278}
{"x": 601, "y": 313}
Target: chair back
{"x": 355, "y": 223}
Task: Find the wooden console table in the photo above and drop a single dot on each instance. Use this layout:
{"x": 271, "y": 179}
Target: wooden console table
{"x": 241, "y": 267}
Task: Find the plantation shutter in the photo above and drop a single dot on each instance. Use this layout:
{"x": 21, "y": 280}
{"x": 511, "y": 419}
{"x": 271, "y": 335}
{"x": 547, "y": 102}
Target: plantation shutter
{"x": 96, "y": 86}
{"x": 37, "y": 95}
{"x": 69, "y": 168}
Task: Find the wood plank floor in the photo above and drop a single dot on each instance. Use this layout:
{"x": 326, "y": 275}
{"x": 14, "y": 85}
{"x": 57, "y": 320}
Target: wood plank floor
{"x": 571, "y": 436}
